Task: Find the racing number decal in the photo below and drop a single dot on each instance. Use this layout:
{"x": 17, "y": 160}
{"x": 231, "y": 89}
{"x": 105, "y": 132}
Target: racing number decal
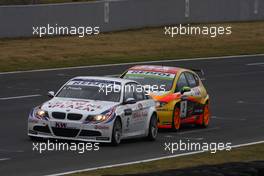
{"x": 183, "y": 109}
{"x": 128, "y": 120}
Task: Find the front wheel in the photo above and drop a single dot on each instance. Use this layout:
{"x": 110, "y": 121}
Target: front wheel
{"x": 117, "y": 132}
{"x": 153, "y": 128}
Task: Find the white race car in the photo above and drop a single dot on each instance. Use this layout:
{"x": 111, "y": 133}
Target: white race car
{"x": 95, "y": 109}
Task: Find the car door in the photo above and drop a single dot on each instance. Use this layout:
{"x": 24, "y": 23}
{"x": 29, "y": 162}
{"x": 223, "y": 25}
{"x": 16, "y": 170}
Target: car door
{"x": 136, "y": 121}
{"x": 195, "y": 94}
{"x": 186, "y": 106}
{"x": 128, "y": 110}
{"x": 140, "y": 115}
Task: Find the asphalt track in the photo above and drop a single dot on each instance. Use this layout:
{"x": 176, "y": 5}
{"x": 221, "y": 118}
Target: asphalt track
{"x": 234, "y": 84}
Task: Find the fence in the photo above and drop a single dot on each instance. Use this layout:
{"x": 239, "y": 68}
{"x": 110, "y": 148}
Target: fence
{"x": 18, "y": 20}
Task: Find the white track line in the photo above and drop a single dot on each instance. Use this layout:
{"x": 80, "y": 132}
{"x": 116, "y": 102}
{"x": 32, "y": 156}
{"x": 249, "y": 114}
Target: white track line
{"x": 20, "y": 97}
{"x": 148, "y": 160}
{"x": 253, "y": 64}
{"x": 36, "y": 95}
{"x": 4, "y": 159}
{"x": 247, "y": 144}
{"x": 130, "y": 63}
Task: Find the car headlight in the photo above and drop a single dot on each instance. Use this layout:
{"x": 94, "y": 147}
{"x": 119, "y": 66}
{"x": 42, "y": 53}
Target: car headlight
{"x": 160, "y": 104}
{"x": 104, "y": 116}
{"x": 97, "y": 118}
{"x": 40, "y": 114}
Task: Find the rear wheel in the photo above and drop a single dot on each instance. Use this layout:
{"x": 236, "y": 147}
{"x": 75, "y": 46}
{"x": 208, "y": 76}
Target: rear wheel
{"x": 206, "y": 116}
{"x": 117, "y": 132}
{"x": 176, "y": 119}
{"x": 153, "y": 128}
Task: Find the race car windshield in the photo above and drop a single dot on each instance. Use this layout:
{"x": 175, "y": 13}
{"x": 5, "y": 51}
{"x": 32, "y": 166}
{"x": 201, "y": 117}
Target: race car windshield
{"x": 163, "y": 81}
{"x": 89, "y": 92}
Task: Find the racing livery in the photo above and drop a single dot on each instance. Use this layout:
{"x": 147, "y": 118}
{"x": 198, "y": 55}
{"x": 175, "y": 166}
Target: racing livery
{"x": 95, "y": 109}
{"x": 180, "y": 94}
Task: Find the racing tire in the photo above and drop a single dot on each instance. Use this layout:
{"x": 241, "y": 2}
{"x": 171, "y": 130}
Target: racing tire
{"x": 153, "y": 128}
{"x": 206, "y": 116}
{"x": 176, "y": 119}
{"x": 116, "y": 133}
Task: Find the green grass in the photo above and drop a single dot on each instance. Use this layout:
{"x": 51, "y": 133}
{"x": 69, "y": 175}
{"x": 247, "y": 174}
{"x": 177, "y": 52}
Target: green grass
{"x": 249, "y": 153}
{"x": 127, "y": 46}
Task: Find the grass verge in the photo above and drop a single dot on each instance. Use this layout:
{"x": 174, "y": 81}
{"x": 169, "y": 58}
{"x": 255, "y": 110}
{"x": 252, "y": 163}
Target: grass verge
{"x": 249, "y": 153}
{"x": 127, "y": 46}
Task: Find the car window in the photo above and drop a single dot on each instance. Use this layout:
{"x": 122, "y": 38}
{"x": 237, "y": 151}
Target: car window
{"x": 129, "y": 91}
{"x": 133, "y": 90}
{"x": 88, "y": 89}
{"x": 191, "y": 79}
{"x": 140, "y": 95}
{"x": 182, "y": 82}
{"x": 197, "y": 80}
{"x": 160, "y": 81}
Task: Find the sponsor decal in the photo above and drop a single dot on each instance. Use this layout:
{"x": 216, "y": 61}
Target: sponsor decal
{"x": 163, "y": 69}
{"x": 60, "y": 125}
{"x": 75, "y": 104}
{"x": 151, "y": 73}
{"x": 91, "y": 82}
{"x": 140, "y": 114}
{"x": 101, "y": 127}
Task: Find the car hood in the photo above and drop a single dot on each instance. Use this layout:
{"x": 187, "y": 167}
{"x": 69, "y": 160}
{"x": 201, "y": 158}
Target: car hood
{"x": 81, "y": 106}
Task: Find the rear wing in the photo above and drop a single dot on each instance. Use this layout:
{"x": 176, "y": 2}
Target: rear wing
{"x": 200, "y": 73}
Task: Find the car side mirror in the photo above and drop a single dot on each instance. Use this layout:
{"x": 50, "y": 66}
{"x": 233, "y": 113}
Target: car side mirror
{"x": 51, "y": 94}
{"x": 185, "y": 89}
{"x": 130, "y": 101}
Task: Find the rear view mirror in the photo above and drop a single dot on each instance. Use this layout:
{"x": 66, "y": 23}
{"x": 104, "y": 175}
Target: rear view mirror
{"x": 185, "y": 89}
{"x": 130, "y": 101}
{"x": 51, "y": 94}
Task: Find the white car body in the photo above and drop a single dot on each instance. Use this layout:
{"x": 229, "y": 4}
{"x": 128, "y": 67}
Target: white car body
{"x": 67, "y": 118}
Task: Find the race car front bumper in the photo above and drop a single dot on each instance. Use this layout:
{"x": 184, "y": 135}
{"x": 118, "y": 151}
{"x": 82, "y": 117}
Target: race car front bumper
{"x": 69, "y": 130}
